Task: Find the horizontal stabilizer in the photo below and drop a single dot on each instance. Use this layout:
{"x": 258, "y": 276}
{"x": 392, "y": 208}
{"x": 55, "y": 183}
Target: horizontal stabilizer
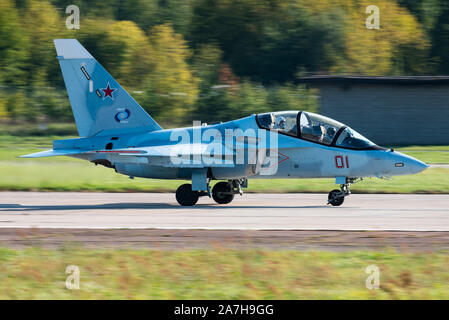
{"x": 52, "y": 153}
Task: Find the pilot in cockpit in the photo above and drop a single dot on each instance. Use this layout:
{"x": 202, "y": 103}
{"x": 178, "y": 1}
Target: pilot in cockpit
{"x": 280, "y": 123}
{"x": 330, "y": 134}
{"x": 318, "y": 132}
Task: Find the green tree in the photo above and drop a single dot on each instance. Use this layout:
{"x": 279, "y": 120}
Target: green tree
{"x": 291, "y": 97}
{"x": 142, "y": 12}
{"x": 426, "y": 11}
{"x": 50, "y": 105}
{"x": 207, "y": 63}
{"x": 149, "y": 13}
{"x": 129, "y": 51}
{"x": 42, "y": 24}
{"x": 97, "y": 9}
{"x": 176, "y": 12}
{"x": 399, "y": 46}
{"x": 300, "y": 39}
{"x": 236, "y": 25}
{"x": 171, "y": 89}
{"x": 120, "y": 46}
{"x": 3, "y": 110}
{"x": 16, "y": 107}
{"x": 249, "y": 98}
{"x": 13, "y": 45}
{"x": 269, "y": 41}
{"x": 93, "y": 35}
{"x": 440, "y": 39}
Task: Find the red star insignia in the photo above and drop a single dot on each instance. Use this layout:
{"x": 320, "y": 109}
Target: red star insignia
{"x": 108, "y": 92}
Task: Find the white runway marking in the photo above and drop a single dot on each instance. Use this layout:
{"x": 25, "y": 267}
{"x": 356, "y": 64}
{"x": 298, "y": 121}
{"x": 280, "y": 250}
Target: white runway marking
{"x": 252, "y": 211}
{"x": 439, "y": 165}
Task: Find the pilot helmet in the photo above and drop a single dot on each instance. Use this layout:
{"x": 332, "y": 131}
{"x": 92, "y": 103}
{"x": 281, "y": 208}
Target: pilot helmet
{"x": 280, "y": 122}
{"x": 331, "y": 131}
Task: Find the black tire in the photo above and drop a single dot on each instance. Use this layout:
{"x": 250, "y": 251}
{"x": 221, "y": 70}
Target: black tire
{"x": 335, "y": 198}
{"x": 219, "y": 189}
{"x": 185, "y": 196}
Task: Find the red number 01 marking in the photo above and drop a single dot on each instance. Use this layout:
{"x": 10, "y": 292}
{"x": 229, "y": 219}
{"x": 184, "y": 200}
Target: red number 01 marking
{"x": 340, "y": 163}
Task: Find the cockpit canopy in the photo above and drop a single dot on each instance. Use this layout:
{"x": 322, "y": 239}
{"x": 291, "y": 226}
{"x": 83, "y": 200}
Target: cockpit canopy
{"x": 313, "y": 127}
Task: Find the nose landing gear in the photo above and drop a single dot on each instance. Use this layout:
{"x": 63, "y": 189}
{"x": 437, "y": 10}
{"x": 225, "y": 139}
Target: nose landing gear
{"x": 337, "y": 197}
{"x": 223, "y": 192}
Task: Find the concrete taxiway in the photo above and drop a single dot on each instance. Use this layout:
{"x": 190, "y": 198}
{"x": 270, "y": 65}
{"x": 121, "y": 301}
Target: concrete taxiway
{"x": 252, "y": 211}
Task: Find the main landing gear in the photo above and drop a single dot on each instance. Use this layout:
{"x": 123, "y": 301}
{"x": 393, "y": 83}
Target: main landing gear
{"x": 337, "y": 197}
{"x": 186, "y": 196}
{"x": 223, "y": 192}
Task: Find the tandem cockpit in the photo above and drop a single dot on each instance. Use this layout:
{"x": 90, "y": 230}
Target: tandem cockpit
{"x": 315, "y": 128}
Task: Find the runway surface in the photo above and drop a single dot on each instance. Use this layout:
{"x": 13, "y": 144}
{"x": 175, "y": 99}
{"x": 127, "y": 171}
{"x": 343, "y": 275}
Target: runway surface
{"x": 252, "y": 211}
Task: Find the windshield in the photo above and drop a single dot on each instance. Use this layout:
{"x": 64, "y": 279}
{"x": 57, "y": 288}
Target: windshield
{"x": 314, "y": 127}
{"x": 350, "y": 138}
{"x": 318, "y": 128}
{"x": 284, "y": 121}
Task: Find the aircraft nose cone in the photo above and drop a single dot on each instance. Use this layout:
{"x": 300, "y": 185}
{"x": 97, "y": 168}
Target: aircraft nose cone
{"x": 417, "y": 166}
{"x": 410, "y": 164}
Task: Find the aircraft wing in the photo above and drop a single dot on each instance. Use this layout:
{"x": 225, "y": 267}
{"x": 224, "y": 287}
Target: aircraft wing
{"x": 71, "y": 152}
{"x": 182, "y": 155}
{"x": 198, "y": 155}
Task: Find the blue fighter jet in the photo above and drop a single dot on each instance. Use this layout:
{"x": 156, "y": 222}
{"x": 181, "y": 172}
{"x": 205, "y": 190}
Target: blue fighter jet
{"x": 116, "y": 132}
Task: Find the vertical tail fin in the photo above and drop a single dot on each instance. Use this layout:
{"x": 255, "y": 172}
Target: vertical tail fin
{"x": 100, "y": 105}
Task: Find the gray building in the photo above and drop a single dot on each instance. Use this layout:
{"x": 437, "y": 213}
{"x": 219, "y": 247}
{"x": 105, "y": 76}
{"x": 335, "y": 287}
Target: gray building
{"x": 388, "y": 110}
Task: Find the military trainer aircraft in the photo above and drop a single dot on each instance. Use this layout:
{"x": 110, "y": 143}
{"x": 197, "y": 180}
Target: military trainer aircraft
{"x": 116, "y": 132}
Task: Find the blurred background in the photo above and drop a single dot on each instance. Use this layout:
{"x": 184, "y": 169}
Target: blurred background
{"x": 210, "y": 60}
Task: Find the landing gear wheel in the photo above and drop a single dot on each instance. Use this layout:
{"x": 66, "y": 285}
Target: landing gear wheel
{"x": 222, "y": 193}
{"x": 185, "y": 196}
{"x": 336, "y": 198}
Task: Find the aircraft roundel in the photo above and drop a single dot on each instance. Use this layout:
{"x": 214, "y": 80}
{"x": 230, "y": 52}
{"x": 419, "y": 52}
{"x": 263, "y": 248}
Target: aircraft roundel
{"x": 122, "y": 115}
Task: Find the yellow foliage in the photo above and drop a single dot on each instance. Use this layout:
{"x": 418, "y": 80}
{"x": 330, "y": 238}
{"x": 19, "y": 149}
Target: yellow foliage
{"x": 3, "y": 110}
{"x": 171, "y": 79}
{"x": 42, "y": 24}
{"x": 13, "y": 45}
{"x": 135, "y": 58}
{"x": 16, "y": 107}
{"x": 372, "y": 51}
